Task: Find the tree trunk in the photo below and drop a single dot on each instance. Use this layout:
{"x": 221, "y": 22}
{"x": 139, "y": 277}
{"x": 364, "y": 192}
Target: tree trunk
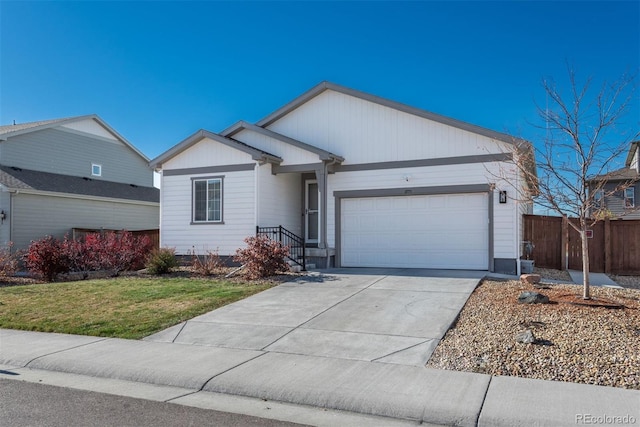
{"x": 585, "y": 262}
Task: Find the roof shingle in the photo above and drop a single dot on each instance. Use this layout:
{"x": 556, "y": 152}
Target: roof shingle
{"x": 17, "y": 178}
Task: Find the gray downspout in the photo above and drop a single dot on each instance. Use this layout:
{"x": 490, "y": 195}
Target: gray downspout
{"x": 325, "y": 201}
{"x": 11, "y": 197}
{"x": 321, "y": 177}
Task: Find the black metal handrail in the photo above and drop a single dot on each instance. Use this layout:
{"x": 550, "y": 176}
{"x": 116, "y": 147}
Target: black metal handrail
{"x": 287, "y": 238}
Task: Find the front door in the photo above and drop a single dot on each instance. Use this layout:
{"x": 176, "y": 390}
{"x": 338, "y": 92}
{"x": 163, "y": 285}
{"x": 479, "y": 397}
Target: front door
{"x": 311, "y": 211}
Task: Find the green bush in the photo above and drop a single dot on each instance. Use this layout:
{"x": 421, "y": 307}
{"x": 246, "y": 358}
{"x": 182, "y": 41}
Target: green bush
{"x": 161, "y": 261}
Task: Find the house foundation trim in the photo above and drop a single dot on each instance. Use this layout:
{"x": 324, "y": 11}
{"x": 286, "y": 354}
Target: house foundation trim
{"x": 412, "y": 191}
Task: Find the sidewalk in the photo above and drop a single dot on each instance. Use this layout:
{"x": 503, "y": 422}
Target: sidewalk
{"x": 595, "y": 279}
{"x": 204, "y": 376}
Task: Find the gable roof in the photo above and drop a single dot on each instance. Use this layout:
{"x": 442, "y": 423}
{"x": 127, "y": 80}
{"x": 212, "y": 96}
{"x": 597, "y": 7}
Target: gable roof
{"x": 324, "y": 86}
{"x": 241, "y": 125}
{"x": 226, "y": 136}
{"x": 8, "y": 131}
{"x": 632, "y": 152}
{"x": 255, "y": 153}
{"x": 25, "y": 179}
{"x": 627, "y": 173}
{"x": 622, "y": 174}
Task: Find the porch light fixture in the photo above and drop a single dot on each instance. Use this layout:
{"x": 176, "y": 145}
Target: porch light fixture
{"x": 3, "y": 215}
{"x": 503, "y": 197}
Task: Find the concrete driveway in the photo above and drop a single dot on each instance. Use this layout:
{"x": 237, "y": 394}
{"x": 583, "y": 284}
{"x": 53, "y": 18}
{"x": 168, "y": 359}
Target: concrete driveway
{"x": 387, "y": 315}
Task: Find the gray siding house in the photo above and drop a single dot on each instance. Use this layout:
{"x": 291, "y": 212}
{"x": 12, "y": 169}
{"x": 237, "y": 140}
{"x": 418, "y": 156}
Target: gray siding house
{"x": 77, "y": 172}
{"x": 616, "y": 192}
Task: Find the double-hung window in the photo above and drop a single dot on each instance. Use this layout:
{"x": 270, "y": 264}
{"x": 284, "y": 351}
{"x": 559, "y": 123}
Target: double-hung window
{"x": 207, "y": 200}
{"x": 629, "y": 197}
{"x": 598, "y": 199}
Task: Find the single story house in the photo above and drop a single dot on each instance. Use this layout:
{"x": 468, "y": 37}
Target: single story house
{"x": 368, "y": 182}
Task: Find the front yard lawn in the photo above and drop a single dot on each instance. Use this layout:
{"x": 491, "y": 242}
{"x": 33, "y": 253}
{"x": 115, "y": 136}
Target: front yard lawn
{"x": 124, "y": 307}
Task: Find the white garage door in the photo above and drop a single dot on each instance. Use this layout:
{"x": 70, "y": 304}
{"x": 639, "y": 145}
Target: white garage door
{"x": 438, "y": 231}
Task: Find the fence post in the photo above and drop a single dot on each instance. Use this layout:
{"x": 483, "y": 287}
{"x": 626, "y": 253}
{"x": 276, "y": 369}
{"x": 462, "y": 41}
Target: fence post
{"x": 564, "y": 244}
{"x": 280, "y": 233}
{"x": 607, "y": 245}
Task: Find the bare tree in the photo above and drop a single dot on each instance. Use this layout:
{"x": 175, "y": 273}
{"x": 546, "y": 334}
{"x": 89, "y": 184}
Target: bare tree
{"x": 585, "y": 135}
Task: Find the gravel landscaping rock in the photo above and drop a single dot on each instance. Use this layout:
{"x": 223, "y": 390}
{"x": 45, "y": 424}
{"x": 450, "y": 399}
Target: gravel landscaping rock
{"x": 548, "y": 273}
{"x": 529, "y": 297}
{"x": 631, "y": 282}
{"x": 576, "y": 343}
{"x": 530, "y": 279}
{"x": 526, "y": 337}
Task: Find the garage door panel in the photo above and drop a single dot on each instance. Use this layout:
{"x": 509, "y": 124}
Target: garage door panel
{"x": 439, "y": 231}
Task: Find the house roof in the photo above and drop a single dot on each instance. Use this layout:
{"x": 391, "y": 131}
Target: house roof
{"x": 241, "y": 125}
{"x": 226, "y": 136}
{"x": 25, "y": 179}
{"x": 622, "y": 174}
{"x": 324, "y": 86}
{"x": 8, "y": 131}
{"x": 256, "y": 154}
{"x": 632, "y": 151}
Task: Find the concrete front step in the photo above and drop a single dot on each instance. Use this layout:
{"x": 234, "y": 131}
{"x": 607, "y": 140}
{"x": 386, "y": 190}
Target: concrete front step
{"x": 298, "y": 268}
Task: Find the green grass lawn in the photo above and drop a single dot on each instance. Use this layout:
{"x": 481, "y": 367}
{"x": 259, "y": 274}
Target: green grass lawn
{"x": 126, "y": 307}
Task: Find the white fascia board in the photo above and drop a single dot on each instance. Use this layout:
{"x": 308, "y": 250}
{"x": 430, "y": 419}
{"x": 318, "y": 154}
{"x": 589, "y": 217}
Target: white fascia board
{"x": 242, "y": 125}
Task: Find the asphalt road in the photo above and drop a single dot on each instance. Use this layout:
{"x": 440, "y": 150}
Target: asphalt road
{"x": 32, "y": 404}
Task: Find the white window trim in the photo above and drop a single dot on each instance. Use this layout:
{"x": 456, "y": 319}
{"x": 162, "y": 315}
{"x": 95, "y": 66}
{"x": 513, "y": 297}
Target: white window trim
{"x": 96, "y": 165}
{"x": 193, "y": 199}
{"x": 632, "y": 198}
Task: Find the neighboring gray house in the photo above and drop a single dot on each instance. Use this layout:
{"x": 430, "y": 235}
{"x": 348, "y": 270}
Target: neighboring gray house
{"x": 77, "y": 172}
{"x": 615, "y": 192}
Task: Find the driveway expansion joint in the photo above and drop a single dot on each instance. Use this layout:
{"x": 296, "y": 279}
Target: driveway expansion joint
{"x": 63, "y": 350}
{"x": 401, "y": 350}
{"x": 179, "y": 332}
{"x": 484, "y": 399}
{"x": 229, "y": 369}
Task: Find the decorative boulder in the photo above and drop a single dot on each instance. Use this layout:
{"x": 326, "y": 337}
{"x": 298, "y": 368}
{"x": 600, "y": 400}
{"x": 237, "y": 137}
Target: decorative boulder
{"x": 530, "y": 279}
{"x": 529, "y": 297}
{"x": 526, "y": 337}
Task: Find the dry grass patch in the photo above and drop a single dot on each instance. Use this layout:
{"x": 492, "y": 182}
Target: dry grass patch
{"x": 591, "y": 345}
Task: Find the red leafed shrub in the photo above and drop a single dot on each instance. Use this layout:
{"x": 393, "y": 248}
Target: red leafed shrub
{"x": 114, "y": 252}
{"x": 262, "y": 257}
{"x": 47, "y": 258}
{"x": 122, "y": 251}
{"x": 81, "y": 258}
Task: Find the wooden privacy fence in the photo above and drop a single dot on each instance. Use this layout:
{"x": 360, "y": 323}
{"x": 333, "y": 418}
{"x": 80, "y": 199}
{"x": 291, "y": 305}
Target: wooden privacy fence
{"x": 613, "y": 248}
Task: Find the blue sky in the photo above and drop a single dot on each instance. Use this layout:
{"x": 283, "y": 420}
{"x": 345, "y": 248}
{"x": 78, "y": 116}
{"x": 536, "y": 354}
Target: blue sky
{"x": 159, "y": 71}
